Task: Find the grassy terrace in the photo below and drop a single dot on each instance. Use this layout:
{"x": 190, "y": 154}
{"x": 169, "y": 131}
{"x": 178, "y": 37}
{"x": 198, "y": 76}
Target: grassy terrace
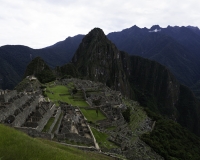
{"x": 61, "y": 93}
{"x": 48, "y": 125}
{"x": 91, "y": 115}
{"x": 102, "y": 139}
{"x": 17, "y": 145}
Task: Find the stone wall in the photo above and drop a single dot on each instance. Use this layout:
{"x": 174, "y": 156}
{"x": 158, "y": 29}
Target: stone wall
{"x": 59, "y": 124}
{"x": 45, "y": 119}
{"x": 81, "y": 147}
{"x": 9, "y": 95}
{"x": 55, "y": 120}
{"x": 74, "y": 137}
{"x": 21, "y": 118}
{"x": 34, "y": 133}
{"x": 10, "y": 108}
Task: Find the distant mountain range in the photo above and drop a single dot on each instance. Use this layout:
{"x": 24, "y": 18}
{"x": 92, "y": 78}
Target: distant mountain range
{"x": 15, "y": 58}
{"x": 176, "y": 47}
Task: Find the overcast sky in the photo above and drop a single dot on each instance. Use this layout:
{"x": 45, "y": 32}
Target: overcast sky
{"x": 40, "y": 23}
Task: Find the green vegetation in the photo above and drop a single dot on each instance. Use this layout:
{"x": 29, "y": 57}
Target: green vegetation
{"x": 172, "y": 141}
{"x": 91, "y": 115}
{"x": 102, "y": 139}
{"x": 45, "y": 76}
{"x": 62, "y": 93}
{"x": 66, "y": 71}
{"x": 17, "y": 145}
{"x": 48, "y": 125}
{"x": 41, "y": 70}
{"x": 137, "y": 114}
{"x": 127, "y": 114}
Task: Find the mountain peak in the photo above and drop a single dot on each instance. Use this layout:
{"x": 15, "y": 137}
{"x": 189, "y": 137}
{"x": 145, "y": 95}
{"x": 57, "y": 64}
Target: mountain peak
{"x": 154, "y": 27}
{"x": 135, "y": 27}
{"x": 98, "y": 59}
{"x": 96, "y": 32}
{"x": 94, "y": 35}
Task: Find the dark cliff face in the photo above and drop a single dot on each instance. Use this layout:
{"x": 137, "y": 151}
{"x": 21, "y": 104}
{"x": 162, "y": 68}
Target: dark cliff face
{"x": 98, "y": 59}
{"x": 146, "y": 81}
{"x": 156, "y": 87}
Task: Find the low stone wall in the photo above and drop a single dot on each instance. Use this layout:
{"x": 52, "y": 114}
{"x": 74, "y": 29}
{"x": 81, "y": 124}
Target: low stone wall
{"x": 34, "y": 133}
{"x": 45, "y": 119}
{"x": 80, "y": 147}
{"x": 74, "y": 137}
{"x": 55, "y": 120}
{"x": 21, "y": 118}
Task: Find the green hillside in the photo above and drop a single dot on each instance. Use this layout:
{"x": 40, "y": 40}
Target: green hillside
{"x": 16, "y": 145}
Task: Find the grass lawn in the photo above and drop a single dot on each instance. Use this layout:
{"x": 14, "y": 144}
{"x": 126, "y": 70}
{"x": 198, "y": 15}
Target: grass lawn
{"x": 91, "y": 115}
{"x": 101, "y": 139}
{"x": 48, "y": 125}
{"x": 16, "y": 145}
{"x": 61, "y": 93}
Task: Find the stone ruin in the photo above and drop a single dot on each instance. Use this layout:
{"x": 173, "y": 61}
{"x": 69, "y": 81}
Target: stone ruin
{"x": 29, "y": 114}
{"x": 25, "y": 112}
{"x": 73, "y": 126}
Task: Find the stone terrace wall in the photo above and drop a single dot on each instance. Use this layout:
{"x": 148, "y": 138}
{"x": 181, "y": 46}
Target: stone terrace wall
{"x": 34, "y": 133}
{"x": 45, "y": 118}
{"x": 21, "y": 118}
{"x": 74, "y": 137}
{"x": 10, "y": 108}
{"x": 55, "y": 120}
{"x": 59, "y": 123}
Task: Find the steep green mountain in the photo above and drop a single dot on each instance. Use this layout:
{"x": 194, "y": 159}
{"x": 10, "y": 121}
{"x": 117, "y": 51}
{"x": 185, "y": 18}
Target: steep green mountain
{"x": 98, "y": 59}
{"x": 152, "y": 84}
{"x": 40, "y": 70}
{"x": 15, "y": 58}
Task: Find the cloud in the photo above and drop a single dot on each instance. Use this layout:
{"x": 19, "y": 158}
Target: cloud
{"x": 40, "y": 23}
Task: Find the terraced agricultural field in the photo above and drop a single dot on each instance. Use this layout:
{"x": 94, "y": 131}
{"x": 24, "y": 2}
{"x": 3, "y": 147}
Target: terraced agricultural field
{"x": 62, "y": 93}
